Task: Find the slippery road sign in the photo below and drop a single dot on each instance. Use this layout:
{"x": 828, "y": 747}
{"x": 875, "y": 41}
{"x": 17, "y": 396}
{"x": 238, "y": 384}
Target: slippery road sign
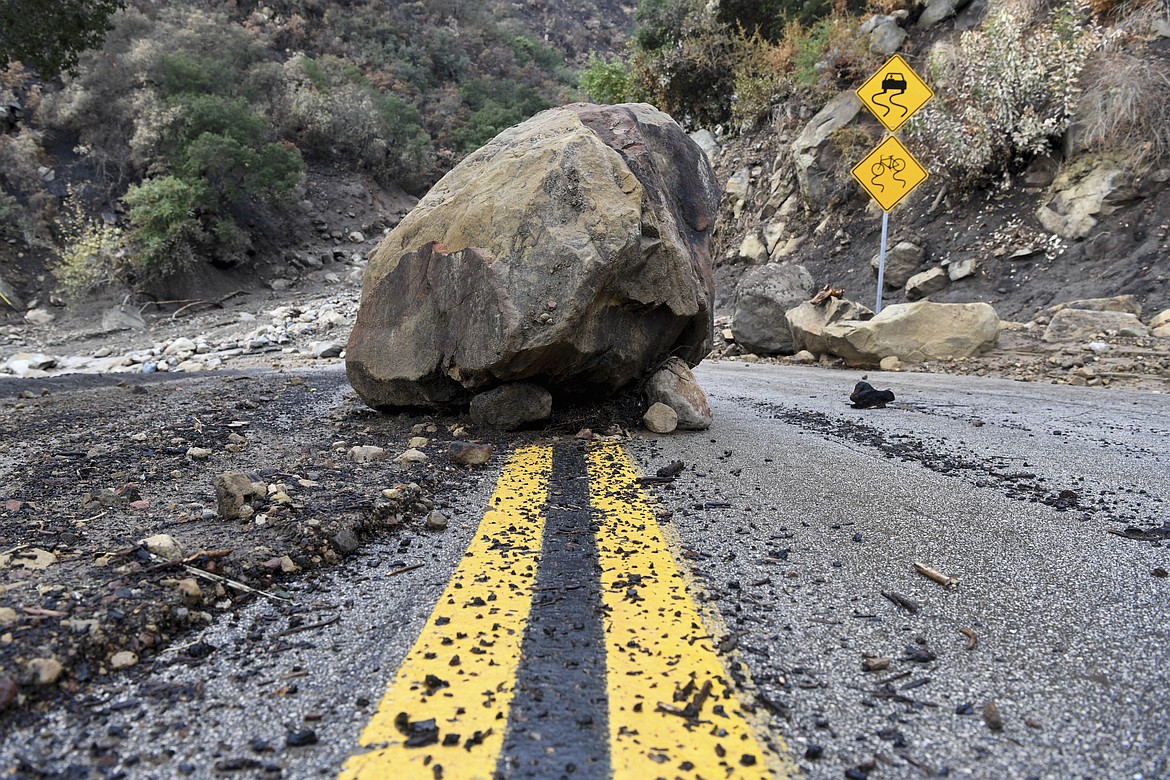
{"x": 889, "y": 173}
{"x": 894, "y": 93}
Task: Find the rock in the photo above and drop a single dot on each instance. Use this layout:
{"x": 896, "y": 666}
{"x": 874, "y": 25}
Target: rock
{"x": 814, "y": 152}
{"x": 122, "y": 317}
{"x": 1082, "y": 324}
{"x": 706, "y": 141}
{"x": 280, "y": 285}
{"x": 890, "y": 363}
{"x": 418, "y": 442}
{"x": 674, "y": 385}
{"x": 39, "y": 316}
{"x": 45, "y": 671}
{"x": 8, "y": 617}
{"x": 992, "y": 716}
{"x": 164, "y": 546}
{"x": 804, "y": 357}
{"x": 412, "y": 456}
{"x": 467, "y": 454}
{"x": 123, "y": 659}
{"x": 1119, "y": 303}
{"x": 326, "y": 349}
{"x": 190, "y": 591}
{"x": 235, "y": 490}
{"x": 762, "y": 297}
{"x": 436, "y": 521}
{"x": 660, "y": 418}
{"x": 511, "y": 406}
{"x": 367, "y": 453}
{"x": 8, "y": 295}
{"x": 926, "y": 283}
{"x": 1081, "y": 196}
{"x": 938, "y": 11}
{"x": 902, "y": 261}
{"x": 346, "y": 541}
{"x": 807, "y": 322}
{"x": 1162, "y": 331}
{"x": 179, "y": 346}
{"x": 752, "y": 250}
{"x": 198, "y": 453}
{"x": 606, "y": 210}
{"x": 8, "y": 691}
{"x": 887, "y": 37}
{"x": 963, "y": 268}
{"x": 916, "y": 332}
{"x": 302, "y": 738}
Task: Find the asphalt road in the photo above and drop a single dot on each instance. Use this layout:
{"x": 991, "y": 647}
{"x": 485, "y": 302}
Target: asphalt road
{"x": 792, "y": 516}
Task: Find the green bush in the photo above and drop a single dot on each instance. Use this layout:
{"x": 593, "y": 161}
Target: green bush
{"x": 495, "y": 106}
{"x": 605, "y": 82}
{"x": 164, "y": 229}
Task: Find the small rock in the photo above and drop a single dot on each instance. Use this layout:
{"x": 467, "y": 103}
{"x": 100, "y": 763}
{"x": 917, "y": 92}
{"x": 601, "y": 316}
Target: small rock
{"x": 467, "y": 454}
{"x": 326, "y": 349}
{"x": 436, "y": 521}
{"x": 660, "y": 418}
{"x": 890, "y": 363}
{"x": 39, "y": 316}
{"x": 991, "y": 716}
{"x": 7, "y": 692}
{"x": 366, "y": 453}
{"x": 804, "y": 357}
{"x": 412, "y": 456}
{"x": 301, "y": 738}
{"x": 164, "y": 546}
{"x": 7, "y": 616}
{"x": 191, "y": 592}
{"x": 123, "y": 659}
{"x": 45, "y": 671}
{"x": 233, "y": 491}
{"x": 198, "y": 453}
{"x": 346, "y": 541}
{"x": 418, "y": 442}
{"x": 180, "y": 345}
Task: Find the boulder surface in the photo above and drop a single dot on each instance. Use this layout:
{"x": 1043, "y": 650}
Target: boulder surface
{"x": 915, "y": 332}
{"x": 572, "y": 250}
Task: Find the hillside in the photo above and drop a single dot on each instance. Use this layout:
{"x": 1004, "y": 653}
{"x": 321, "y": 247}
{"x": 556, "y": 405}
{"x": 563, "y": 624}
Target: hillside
{"x": 325, "y": 120}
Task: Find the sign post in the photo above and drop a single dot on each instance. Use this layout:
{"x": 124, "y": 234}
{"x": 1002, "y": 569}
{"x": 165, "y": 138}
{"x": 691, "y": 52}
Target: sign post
{"x": 889, "y": 172}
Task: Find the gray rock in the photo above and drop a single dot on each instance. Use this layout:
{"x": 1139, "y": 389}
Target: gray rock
{"x": 346, "y": 541}
{"x": 326, "y": 349}
{"x": 436, "y": 521}
{"x": 887, "y": 37}
{"x": 938, "y": 11}
{"x": 164, "y": 546}
{"x": 903, "y": 260}
{"x": 762, "y": 297}
{"x": 814, "y": 152}
{"x": 606, "y": 210}
{"x": 1082, "y": 196}
{"x": 926, "y": 283}
{"x": 752, "y": 250}
{"x": 234, "y": 490}
{"x": 367, "y": 453}
{"x": 39, "y": 316}
{"x": 122, "y": 317}
{"x": 9, "y": 297}
{"x": 469, "y": 454}
{"x": 511, "y": 406}
{"x": 963, "y": 268}
{"x": 674, "y": 385}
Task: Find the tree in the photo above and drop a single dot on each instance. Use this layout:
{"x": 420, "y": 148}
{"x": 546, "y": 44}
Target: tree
{"x": 49, "y": 35}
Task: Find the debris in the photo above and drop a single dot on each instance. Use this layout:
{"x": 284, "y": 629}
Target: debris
{"x": 940, "y": 578}
{"x": 1159, "y": 572}
{"x": 164, "y": 546}
{"x": 825, "y": 293}
{"x": 404, "y": 569}
{"x": 670, "y": 470}
{"x": 906, "y": 603}
{"x": 872, "y": 663}
{"x": 972, "y": 639}
{"x": 301, "y": 738}
{"x": 864, "y": 396}
{"x": 45, "y": 671}
{"x": 436, "y": 521}
{"x": 123, "y": 659}
{"x": 307, "y": 627}
{"x": 918, "y": 655}
{"x": 34, "y": 559}
{"x": 366, "y": 454}
{"x": 468, "y": 453}
{"x": 7, "y": 692}
{"x": 992, "y": 716}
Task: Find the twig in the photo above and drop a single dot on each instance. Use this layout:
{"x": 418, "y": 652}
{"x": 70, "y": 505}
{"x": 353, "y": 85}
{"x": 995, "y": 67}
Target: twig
{"x": 972, "y": 639}
{"x": 906, "y": 603}
{"x": 15, "y": 549}
{"x": 404, "y": 569}
{"x": 939, "y": 577}
{"x": 233, "y": 584}
{"x": 306, "y": 627}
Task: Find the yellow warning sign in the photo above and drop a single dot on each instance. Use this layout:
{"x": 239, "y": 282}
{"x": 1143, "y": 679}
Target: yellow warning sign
{"x": 894, "y": 93}
{"x": 889, "y": 173}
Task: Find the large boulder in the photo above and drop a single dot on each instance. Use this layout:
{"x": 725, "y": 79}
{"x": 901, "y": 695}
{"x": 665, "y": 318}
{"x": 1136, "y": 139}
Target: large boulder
{"x": 571, "y": 250}
{"x": 762, "y": 297}
{"x": 1085, "y": 324}
{"x": 1082, "y": 196}
{"x": 808, "y": 321}
{"x": 916, "y": 332}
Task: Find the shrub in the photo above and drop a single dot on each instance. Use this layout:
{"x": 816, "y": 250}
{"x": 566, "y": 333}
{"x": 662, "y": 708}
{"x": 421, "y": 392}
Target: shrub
{"x": 164, "y": 229}
{"x": 495, "y": 106}
{"x": 1125, "y": 108}
{"x": 605, "y": 82}
{"x": 91, "y": 250}
{"x": 1006, "y": 93}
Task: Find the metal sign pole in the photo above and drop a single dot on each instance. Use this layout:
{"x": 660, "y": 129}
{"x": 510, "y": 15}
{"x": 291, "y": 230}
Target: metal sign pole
{"x": 882, "y": 262}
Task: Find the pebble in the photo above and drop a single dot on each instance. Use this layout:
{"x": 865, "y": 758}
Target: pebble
{"x": 436, "y": 521}
{"x": 992, "y": 716}
{"x": 190, "y": 591}
{"x": 123, "y": 659}
{"x": 366, "y": 453}
{"x": 7, "y": 616}
{"x": 45, "y": 671}
{"x": 164, "y": 546}
{"x": 412, "y": 455}
{"x": 7, "y": 692}
{"x": 198, "y": 453}
{"x": 467, "y": 454}
{"x": 301, "y": 738}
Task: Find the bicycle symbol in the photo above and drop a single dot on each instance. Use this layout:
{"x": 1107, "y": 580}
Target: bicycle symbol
{"x": 896, "y": 84}
{"x": 894, "y": 165}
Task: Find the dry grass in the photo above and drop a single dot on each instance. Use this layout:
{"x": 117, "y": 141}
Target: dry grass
{"x": 1126, "y": 107}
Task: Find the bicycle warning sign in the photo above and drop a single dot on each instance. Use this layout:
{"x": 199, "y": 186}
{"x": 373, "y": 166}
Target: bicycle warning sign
{"x": 889, "y": 173}
{"x": 894, "y": 93}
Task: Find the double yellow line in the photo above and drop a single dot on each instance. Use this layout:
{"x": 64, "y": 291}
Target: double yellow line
{"x": 672, "y": 711}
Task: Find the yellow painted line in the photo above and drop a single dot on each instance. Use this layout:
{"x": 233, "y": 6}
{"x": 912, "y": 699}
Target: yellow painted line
{"x": 660, "y": 657}
{"x": 461, "y": 672}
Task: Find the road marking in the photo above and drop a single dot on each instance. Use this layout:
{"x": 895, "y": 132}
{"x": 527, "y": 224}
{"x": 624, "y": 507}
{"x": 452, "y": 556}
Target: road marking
{"x": 445, "y": 713}
{"x": 672, "y": 711}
